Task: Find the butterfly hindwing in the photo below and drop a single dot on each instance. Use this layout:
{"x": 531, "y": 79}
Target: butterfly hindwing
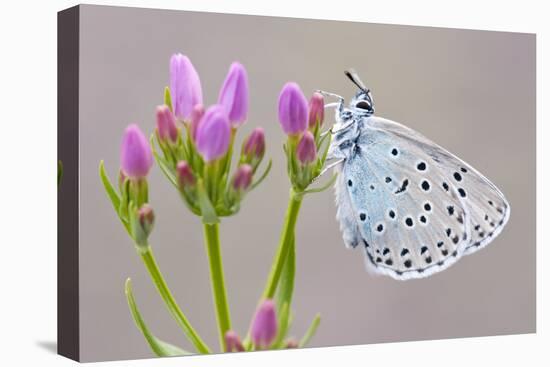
{"x": 399, "y": 197}
{"x": 489, "y": 210}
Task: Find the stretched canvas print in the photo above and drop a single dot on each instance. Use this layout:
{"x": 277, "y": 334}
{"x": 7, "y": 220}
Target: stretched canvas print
{"x": 234, "y": 183}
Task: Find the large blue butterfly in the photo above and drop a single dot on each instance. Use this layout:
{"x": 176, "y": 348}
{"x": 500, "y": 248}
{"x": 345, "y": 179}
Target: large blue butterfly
{"x": 411, "y": 205}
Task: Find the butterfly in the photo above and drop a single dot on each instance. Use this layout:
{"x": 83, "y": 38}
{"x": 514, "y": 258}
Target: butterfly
{"x": 413, "y": 207}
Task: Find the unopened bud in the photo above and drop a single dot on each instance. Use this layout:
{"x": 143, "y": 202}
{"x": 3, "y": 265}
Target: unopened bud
{"x": 166, "y": 124}
{"x": 242, "y": 178}
{"x": 186, "y": 178}
{"x": 316, "y": 110}
{"x": 146, "y": 218}
{"x": 291, "y": 344}
{"x": 254, "y": 146}
{"x": 233, "y": 342}
{"x": 264, "y": 325}
{"x": 306, "y": 151}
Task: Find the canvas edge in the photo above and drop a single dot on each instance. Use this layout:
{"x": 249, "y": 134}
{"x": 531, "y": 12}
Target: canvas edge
{"x": 68, "y": 323}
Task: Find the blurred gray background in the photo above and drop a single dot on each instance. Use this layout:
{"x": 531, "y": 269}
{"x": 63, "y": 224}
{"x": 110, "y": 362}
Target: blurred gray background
{"x": 472, "y": 92}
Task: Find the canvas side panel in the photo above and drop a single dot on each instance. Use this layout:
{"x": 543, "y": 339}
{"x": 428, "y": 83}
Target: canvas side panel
{"x": 67, "y": 199}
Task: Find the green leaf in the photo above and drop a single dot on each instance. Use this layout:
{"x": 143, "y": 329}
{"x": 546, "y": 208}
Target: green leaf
{"x": 111, "y": 192}
{"x": 208, "y": 212}
{"x": 263, "y": 176}
{"x": 59, "y": 172}
{"x": 168, "y": 98}
{"x": 162, "y": 164}
{"x": 159, "y": 347}
{"x": 284, "y": 318}
{"x": 322, "y": 188}
{"x": 310, "y": 332}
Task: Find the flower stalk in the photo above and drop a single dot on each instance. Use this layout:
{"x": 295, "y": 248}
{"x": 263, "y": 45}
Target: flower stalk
{"x": 213, "y": 249}
{"x": 139, "y": 224}
{"x": 285, "y": 243}
{"x": 156, "y": 276}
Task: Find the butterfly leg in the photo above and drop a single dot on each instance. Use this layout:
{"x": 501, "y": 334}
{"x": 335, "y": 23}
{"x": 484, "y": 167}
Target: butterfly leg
{"x": 339, "y": 105}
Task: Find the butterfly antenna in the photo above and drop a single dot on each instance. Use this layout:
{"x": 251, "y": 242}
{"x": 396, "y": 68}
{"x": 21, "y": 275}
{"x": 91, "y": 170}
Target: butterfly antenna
{"x": 352, "y": 75}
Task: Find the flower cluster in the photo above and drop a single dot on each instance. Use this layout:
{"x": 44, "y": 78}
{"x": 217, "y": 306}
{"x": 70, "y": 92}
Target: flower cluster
{"x": 193, "y": 146}
{"x": 302, "y": 123}
{"x": 197, "y": 142}
{"x": 131, "y": 204}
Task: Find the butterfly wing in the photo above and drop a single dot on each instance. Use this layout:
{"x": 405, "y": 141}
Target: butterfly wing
{"x": 399, "y": 196}
{"x": 489, "y": 209}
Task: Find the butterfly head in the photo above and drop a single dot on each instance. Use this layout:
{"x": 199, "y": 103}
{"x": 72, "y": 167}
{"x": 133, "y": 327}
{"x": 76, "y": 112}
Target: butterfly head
{"x": 362, "y": 103}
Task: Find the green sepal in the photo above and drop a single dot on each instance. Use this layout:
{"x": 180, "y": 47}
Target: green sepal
{"x": 321, "y": 140}
{"x": 138, "y": 191}
{"x": 327, "y": 185}
{"x": 262, "y": 177}
{"x": 321, "y": 162}
{"x": 208, "y": 212}
{"x": 138, "y": 234}
{"x": 124, "y": 201}
{"x": 159, "y": 347}
{"x": 168, "y": 98}
{"x": 187, "y": 198}
{"x": 310, "y": 331}
{"x": 162, "y": 164}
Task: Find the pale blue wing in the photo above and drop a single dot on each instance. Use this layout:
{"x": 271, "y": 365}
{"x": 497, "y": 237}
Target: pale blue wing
{"x": 398, "y": 196}
{"x": 489, "y": 210}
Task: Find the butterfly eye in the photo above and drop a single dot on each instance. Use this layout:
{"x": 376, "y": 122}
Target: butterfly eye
{"x": 363, "y": 105}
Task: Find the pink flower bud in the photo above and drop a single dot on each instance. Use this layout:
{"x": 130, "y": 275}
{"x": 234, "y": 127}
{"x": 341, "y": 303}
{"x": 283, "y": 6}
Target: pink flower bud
{"x": 196, "y": 116}
{"x": 166, "y": 124}
{"x": 264, "y": 325}
{"x": 242, "y": 178}
{"x": 291, "y": 344}
{"x": 146, "y": 218}
{"x": 233, "y": 342}
{"x": 306, "y": 150}
{"x": 234, "y": 94}
{"x": 254, "y": 144}
{"x": 136, "y": 158}
{"x": 185, "y": 86}
{"x": 186, "y": 178}
{"x": 213, "y": 134}
{"x": 316, "y": 110}
{"x": 292, "y": 109}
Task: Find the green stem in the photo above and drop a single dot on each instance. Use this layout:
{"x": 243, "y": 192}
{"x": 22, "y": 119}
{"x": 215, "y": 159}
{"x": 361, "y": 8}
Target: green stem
{"x": 212, "y": 242}
{"x": 153, "y": 269}
{"x": 285, "y": 243}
